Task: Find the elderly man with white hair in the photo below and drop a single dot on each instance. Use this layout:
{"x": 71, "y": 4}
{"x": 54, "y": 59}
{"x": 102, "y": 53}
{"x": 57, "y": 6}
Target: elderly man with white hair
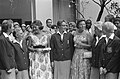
{"x": 110, "y": 60}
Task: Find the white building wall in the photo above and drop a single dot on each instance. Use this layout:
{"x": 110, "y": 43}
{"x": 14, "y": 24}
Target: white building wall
{"x": 44, "y": 10}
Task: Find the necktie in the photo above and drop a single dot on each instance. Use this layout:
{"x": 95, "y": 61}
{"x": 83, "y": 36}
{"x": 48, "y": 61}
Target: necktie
{"x": 109, "y": 40}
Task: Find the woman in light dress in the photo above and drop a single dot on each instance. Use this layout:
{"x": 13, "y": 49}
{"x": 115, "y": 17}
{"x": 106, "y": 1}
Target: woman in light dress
{"x": 80, "y": 68}
{"x": 40, "y": 67}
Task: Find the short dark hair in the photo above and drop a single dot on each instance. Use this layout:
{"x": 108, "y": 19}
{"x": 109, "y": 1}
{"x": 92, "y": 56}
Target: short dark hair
{"x": 80, "y": 20}
{"x": 117, "y": 19}
{"x": 38, "y": 23}
{"x": 6, "y": 24}
{"x": 59, "y": 23}
{"x": 48, "y": 20}
{"x": 88, "y": 21}
{"x": 110, "y": 17}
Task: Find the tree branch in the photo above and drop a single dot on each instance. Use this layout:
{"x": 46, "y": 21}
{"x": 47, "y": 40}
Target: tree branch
{"x": 107, "y": 10}
{"x": 79, "y": 12}
{"x": 108, "y": 2}
{"x": 96, "y": 2}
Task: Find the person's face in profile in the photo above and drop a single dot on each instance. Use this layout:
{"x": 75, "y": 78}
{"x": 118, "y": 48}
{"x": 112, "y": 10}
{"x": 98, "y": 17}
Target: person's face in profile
{"x": 117, "y": 24}
{"x": 11, "y": 29}
{"x": 16, "y": 26}
{"x": 104, "y": 30}
{"x": 19, "y": 33}
{"x": 97, "y": 31}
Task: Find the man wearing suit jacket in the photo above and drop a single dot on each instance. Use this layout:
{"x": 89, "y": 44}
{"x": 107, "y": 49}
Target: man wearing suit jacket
{"x": 7, "y": 59}
{"x": 62, "y": 49}
{"x": 110, "y": 61}
{"x": 96, "y": 50}
{"x": 21, "y": 54}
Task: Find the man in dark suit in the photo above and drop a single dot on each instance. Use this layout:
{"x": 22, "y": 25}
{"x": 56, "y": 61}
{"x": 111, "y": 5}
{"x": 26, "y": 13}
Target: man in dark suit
{"x": 7, "y": 60}
{"x": 21, "y": 54}
{"x": 96, "y": 50}
{"x": 62, "y": 49}
{"x": 110, "y": 62}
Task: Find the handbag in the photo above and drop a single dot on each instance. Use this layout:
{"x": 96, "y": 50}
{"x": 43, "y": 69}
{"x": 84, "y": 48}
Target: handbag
{"x": 87, "y": 54}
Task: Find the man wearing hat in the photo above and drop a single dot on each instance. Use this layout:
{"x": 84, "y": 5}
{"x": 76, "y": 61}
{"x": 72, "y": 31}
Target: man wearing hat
{"x": 110, "y": 60}
{"x": 96, "y": 50}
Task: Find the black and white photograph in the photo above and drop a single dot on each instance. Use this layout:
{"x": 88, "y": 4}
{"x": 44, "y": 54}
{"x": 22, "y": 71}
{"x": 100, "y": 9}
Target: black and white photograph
{"x": 59, "y": 39}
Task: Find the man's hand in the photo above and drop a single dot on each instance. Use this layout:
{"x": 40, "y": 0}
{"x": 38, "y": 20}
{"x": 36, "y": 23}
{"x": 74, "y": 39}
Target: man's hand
{"x": 104, "y": 70}
{"x": 101, "y": 70}
{"x": 16, "y": 71}
{"x": 9, "y": 71}
{"x": 52, "y": 64}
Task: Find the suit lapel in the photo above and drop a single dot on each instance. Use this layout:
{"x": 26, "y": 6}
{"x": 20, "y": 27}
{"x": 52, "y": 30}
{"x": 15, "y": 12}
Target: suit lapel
{"x": 93, "y": 44}
{"x": 24, "y": 43}
{"x": 59, "y": 38}
{"x": 19, "y": 46}
{"x": 110, "y": 41}
{"x": 9, "y": 41}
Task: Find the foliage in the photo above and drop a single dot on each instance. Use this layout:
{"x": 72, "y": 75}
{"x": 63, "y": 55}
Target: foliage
{"x": 102, "y": 4}
{"x": 114, "y": 8}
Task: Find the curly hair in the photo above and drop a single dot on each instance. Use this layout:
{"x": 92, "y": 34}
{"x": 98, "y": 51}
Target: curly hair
{"x": 80, "y": 20}
{"x": 38, "y": 23}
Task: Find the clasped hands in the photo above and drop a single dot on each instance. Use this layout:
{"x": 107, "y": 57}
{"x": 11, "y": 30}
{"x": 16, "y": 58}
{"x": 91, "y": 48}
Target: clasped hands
{"x": 10, "y": 70}
{"x": 103, "y": 70}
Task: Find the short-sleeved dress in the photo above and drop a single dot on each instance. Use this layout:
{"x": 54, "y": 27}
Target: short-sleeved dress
{"x": 80, "y": 68}
{"x": 40, "y": 67}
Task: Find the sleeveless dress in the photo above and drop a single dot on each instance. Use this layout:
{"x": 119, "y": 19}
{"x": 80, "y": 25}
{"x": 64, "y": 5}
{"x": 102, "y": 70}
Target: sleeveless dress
{"x": 40, "y": 67}
{"x": 80, "y": 67}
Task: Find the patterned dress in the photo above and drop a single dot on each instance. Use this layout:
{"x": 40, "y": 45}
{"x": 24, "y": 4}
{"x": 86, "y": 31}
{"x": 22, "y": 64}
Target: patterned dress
{"x": 80, "y": 68}
{"x": 40, "y": 67}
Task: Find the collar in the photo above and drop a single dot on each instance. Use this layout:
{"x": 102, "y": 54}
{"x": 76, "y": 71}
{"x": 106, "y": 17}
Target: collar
{"x": 15, "y": 41}
{"x": 20, "y": 43}
{"x": 5, "y": 34}
{"x": 112, "y": 36}
{"x": 62, "y": 33}
{"x": 101, "y": 37}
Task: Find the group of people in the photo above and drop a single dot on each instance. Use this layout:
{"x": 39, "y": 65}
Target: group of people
{"x": 81, "y": 51}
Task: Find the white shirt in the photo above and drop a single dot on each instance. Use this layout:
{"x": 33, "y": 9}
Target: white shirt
{"x": 61, "y": 34}
{"x": 6, "y": 35}
{"x": 20, "y": 43}
{"x": 11, "y": 37}
{"x": 97, "y": 39}
{"x": 111, "y": 37}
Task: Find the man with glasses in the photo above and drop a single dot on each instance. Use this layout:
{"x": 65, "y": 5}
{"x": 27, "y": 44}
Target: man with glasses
{"x": 48, "y": 26}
